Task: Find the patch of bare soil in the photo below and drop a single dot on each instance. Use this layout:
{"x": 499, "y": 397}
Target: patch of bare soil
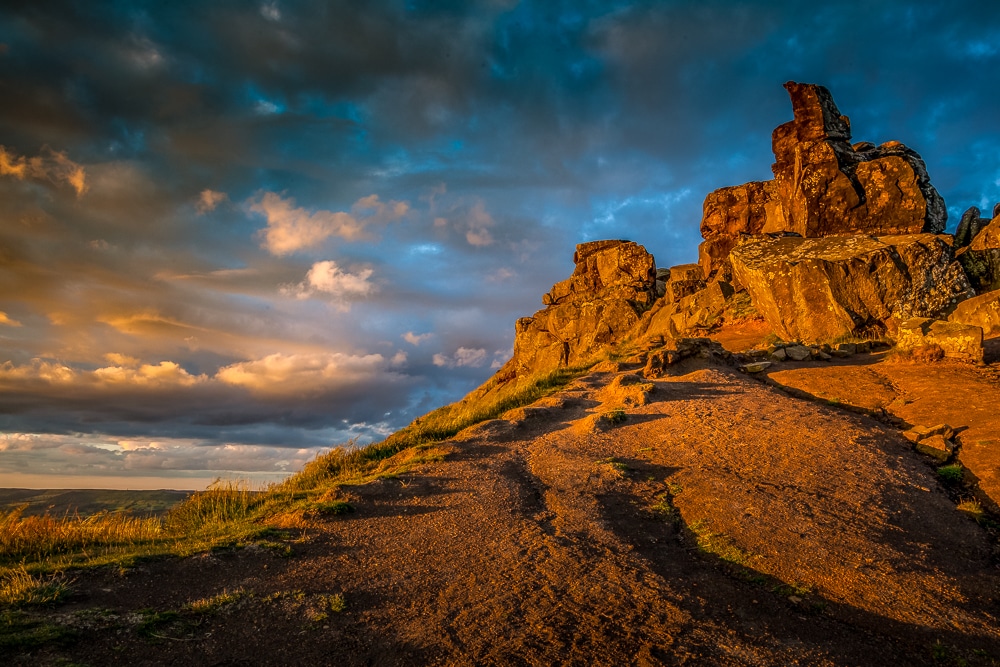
{"x": 716, "y": 521}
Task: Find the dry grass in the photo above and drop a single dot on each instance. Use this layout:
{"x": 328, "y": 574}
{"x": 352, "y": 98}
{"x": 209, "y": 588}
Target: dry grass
{"x": 39, "y": 537}
{"x": 18, "y": 588}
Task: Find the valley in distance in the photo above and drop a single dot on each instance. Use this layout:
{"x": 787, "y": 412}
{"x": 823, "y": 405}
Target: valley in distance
{"x": 786, "y": 453}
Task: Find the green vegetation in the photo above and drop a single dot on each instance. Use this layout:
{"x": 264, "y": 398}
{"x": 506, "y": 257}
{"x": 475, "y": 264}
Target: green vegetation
{"x": 972, "y": 508}
{"x": 213, "y": 604}
{"x": 614, "y": 417}
{"x": 950, "y": 474}
{"x": 719, "y": 545}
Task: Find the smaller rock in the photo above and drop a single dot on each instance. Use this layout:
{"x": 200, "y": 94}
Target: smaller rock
{"x": 937, "y": 446}
{"x": 922, "y": 432}
{"x": 798, "y": 352}
{"x": 755, "y": 367}
{"x": 779, "y": 354}
{"x": 980, "y": 311}
{"x": 848, "y": 348}
{"x": 685, "y": 272}
{"x": 958, "y": 341}
{"x": 823, "y": 356}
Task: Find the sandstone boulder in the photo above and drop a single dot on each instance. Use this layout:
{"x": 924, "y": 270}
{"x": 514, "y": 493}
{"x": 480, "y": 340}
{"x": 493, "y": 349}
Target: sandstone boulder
{"x": 612, "y": 283}
{"x": 958, "y": 341}
{"x": 969, "y": 227}
{"x": 981, "y": 311}
{"x": 820, "y": 289}
{"x": 981, "y": 259}
{"x": 823, "y": 185}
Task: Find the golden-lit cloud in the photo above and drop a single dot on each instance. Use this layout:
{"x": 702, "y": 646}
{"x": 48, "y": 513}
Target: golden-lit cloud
{"x": 52, "y": 166}
{"x": 5, "y": 319}
{"x": 341, "y": 287}
{"x": 304, "y": 374}
{"x": 290, "y": 228}
{"x": 208, "y": 200}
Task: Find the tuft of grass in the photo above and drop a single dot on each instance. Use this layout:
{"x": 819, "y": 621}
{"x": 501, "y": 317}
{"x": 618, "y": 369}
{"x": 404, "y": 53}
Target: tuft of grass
{"x": 972, "y": 508}
{"x": 19, "y": 588}
{"x": 951, "y": 474}
{"x": 222, "y": 503}
{"x": 215, "y": 603}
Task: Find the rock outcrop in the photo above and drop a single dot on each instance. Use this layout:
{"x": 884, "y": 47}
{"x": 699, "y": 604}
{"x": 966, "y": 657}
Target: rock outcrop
{"x": 981, "y": 258}
{"x": 823, "y": 185}
{"x": 613, "y": 282}
{"x": 820, "y": 289}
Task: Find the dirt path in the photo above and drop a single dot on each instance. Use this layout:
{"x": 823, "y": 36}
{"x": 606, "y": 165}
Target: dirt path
{"x": 723, "y": 523}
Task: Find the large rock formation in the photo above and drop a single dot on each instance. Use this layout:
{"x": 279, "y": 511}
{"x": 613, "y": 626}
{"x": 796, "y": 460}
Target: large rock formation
{"x": 823, "y": 185}
{"x": 820, "y": 289}
{"x": 613, "y": 282}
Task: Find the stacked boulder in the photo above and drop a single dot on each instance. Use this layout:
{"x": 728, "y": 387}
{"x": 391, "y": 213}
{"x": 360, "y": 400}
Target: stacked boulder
{"x": 612, "y": 284}
{"x": 846, "y": 239}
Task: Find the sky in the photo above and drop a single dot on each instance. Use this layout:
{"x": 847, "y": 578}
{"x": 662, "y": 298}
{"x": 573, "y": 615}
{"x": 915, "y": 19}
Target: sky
{"x": 234, "y": 234}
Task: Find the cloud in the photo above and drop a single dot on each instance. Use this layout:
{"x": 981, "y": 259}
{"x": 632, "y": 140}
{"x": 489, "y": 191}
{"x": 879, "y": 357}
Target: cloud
{"x": 479, "y": 222}
{"x": 208, "y": 200}
{"x": 341, "y": 287}
{"x": 290, "y": 228}
{"x": 5, "y": 319}
{"x": 464, "y": 356}
{"x": 416, "y": 339}
{"x": 304, "y": 374}
{"x": 52, "y": 166}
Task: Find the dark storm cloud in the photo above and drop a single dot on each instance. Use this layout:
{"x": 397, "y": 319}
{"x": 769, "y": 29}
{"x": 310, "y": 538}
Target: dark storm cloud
{"x": 218, "y": 198}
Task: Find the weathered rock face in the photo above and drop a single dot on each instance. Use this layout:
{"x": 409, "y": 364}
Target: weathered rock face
{"x": 981, "y": 259}
{"x": 819, "y": 289}
{"x": 981, "y": 311}
{"x": 958, "y": 341}
{"x": 969, "y": 226}
{"x": 823, "y": 185}
{"x": 590, "y": 311}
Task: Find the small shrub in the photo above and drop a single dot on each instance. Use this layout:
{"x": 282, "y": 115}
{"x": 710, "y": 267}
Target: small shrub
{"x": 614, "y": 417}
{"x": 333, "y": 508}
{"x": 950, "y": 474}
{"x": 220, "y": 504}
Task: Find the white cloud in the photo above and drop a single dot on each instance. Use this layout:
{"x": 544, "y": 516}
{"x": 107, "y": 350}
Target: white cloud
{"x": 54, "y": 167}
{"x": 416, "y": 339}
{"x": 464, "y": 356}
{"x": 208, "y": 200}
{"x": 290, "y": 228}
{"x": 500, "y": 357}
{"x": 342, "y": 287}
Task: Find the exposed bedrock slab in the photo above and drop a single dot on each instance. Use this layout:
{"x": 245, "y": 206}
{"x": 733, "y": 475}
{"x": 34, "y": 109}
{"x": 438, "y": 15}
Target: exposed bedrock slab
{"x": 958, "y": 341}
{"x": 981, "y": 311}
{"x": 823, "y": 288}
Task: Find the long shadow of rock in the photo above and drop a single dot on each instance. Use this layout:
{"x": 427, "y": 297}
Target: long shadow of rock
{"x": 716, "y": 580}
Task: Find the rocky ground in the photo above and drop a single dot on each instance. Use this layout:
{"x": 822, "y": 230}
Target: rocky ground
{"x": 706, "y": 517}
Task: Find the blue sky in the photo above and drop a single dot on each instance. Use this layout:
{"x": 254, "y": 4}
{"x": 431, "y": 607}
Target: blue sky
{"x": 234, "y": 234}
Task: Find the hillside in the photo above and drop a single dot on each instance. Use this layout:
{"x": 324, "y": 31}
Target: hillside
{"x": 784, "y": 454}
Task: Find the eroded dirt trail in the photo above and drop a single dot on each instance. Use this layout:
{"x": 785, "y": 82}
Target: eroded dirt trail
{"x": 547, "y": 539}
